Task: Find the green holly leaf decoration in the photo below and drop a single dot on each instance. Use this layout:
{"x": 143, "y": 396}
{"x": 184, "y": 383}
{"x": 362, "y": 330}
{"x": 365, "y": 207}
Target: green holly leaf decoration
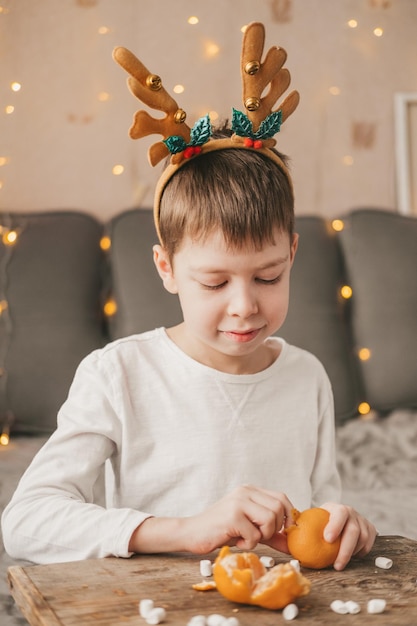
{"x": 269, "y": 126}
{"x": 241, "y": 124}
{"x": 175, "y": 144}
{"x": 201, "y": 131}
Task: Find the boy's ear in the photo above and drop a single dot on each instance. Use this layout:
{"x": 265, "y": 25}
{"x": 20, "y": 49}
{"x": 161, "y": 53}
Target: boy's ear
{"x": 294, "y": 246}
{"x": 164, "y": 268}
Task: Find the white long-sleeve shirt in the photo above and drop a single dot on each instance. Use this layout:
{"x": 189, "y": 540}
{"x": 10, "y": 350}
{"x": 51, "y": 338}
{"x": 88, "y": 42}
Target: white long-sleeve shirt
{"x": 146, "y": 430}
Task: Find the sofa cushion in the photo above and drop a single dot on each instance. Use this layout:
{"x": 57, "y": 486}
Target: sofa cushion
{"x": 318, "y": 317}
{"x": 381, "y": 259}
{"x": 142, "y": 301}
{"x": 51, "y": 281}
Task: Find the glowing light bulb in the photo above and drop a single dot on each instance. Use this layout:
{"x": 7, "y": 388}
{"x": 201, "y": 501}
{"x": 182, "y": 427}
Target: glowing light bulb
{"x": 214, "y": 115}
{"x": 118, "y": 169}
{"x": 352, "y": 23}
{"x": 378, "y": 32}
{"x": 364, "y": 354}
{"x": 243, "y": 29}
{"x": 211, "y": 49}
{"x": 9, "y": 109}
{"x": 4, "y": 439}
{"x": 193, "y": 19}
{"x": 346, "y": 292}
{"x": 338, "y": 225}
{"x": 335, "y": 91}
{"x": 103, "y": 30}
{"x": 15, "y": 86}
{"x": 9, "y": 237}
{"x": 110, "y": 307}
{"x": 179, "y": 89}
{"x": 3, "y": 161}
{"x": 364, "y": 408}
{"x": 105, "y": 243}
{"x": 103, "y": 96}
{"x": 348, "y": 159}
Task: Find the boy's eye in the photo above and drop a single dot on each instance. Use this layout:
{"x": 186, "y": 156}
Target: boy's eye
{"x": 213, "y": 287}
{"x": 271, "y": 281}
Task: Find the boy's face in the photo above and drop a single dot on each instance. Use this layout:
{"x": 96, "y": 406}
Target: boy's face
{"x": 232, "y": 299}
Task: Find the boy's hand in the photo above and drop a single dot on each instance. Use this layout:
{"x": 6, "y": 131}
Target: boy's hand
{"x": 247, "y": 516}
{"x": 357, "y": 533}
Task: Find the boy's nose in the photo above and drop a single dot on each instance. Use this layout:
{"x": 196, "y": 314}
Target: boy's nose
{"x": 243, "y": 303}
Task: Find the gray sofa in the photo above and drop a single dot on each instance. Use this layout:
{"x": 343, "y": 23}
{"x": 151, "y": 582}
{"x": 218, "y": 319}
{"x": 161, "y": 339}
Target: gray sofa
{"x": 56, "y": 278}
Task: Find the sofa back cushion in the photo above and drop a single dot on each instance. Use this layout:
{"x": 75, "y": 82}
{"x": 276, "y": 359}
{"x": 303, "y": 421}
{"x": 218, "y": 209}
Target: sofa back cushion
{"x": 380, "y": 249}
{"x": 51, "y": 281}
{"x": 318, "y": 317}
{"x": 142, "y": 301}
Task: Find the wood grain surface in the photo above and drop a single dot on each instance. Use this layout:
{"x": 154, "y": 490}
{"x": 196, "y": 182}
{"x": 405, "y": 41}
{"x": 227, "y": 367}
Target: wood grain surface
{"x": 106, "y": 592}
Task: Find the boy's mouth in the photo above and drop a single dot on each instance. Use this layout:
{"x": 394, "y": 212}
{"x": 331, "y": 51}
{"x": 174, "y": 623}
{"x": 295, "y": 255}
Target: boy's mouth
{"x": 241, "y": 336}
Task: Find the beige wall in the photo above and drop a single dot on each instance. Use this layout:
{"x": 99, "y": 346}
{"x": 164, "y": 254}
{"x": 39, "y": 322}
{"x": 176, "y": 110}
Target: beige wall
{"x": 61, "y": 142}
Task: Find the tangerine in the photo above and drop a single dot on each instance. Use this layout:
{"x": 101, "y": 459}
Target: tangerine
{"x": 306, "y": 541}
{"x": 242, "y": 577}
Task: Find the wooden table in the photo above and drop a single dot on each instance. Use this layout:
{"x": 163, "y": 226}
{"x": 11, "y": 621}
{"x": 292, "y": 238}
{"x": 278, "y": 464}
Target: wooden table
{"x": 106, "y": 592}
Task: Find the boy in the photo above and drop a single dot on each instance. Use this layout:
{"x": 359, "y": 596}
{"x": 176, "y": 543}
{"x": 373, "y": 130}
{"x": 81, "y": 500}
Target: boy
{"x": 189, "y": 438}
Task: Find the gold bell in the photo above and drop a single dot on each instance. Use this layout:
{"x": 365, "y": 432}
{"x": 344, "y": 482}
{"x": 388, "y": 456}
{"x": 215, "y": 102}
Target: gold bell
{"x": 179, "y": 116}
{"x": 252, "y": 104}
{"x": 154, "y": 82}
{"x": 252, "y": 67}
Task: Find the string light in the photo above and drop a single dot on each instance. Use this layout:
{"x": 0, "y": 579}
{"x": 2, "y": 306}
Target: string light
{"x": 364, "y": 408}
{"x": 335, "y": 91}
{"x": 103, "y": 30}
{"x": 118, "y": 169}
{"x": 103, "y": 96}
{"x": 193, "y": 19}
{"x": 364, "y": 354}
{"x": 338, "y": 225}
{"x": 105, "y": 243}
{"x": 179, "y": 89}
{"x": 15, "y": 86}
{"x": 348, "y": 159}
{"x": 110, "y": 307}
{"x": 352, "y": 23}
{"x": 346, "y": 292}
{"x": 5, "y": 436}
{"x": 9, "y": 109}
{"x": 9, "y": 237}
{"x": 211, "y": 49}
{"x": 378, "y": 32}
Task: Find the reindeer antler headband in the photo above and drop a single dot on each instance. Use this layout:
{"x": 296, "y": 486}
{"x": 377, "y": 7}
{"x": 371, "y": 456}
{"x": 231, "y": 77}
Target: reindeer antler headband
{"x": 253, "y": 130}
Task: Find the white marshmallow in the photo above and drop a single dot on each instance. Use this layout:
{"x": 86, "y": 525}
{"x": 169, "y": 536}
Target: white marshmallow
{"x": 156, "y": 616}
{"x": 215, "y": 620}
{"x": 197, "y": 620}
{"x": 290, "y": 612}
{"x": 383, "y": 562}
{"x": 206, "y": 568}
{"x": 376, "y": 605}
{"x": 268, "y": 561}
{"x": 352, "y": 607}
{"x": 296, "y": 564}
{"x": 145, "y": 607}
{"x": 338, "y": 606}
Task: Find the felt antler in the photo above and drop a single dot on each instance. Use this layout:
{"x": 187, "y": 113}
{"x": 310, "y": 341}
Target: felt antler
{"x": 148, "y": 88}
{"x": 257, "y": 75}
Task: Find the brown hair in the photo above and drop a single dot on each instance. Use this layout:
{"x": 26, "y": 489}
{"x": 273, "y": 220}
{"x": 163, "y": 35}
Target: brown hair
{"x": 242, "y": 192}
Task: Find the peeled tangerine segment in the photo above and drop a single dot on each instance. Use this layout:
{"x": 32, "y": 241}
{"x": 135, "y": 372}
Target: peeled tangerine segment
{"x": 241, "y": 577}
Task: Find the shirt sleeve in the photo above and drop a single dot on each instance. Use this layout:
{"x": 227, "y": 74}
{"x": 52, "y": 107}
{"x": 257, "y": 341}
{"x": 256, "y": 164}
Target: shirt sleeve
{"x": 58, "y": 512}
